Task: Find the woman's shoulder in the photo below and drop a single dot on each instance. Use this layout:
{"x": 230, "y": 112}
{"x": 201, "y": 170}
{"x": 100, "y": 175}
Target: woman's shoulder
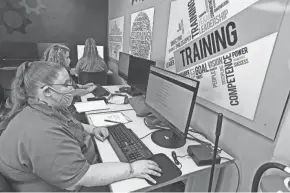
{"x": 33, "y": 121}
{"x": 30, "y": 125}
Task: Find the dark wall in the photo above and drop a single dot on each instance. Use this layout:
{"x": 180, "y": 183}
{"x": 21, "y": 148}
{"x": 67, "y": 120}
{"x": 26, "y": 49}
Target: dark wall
{"x": 64, "y": 21}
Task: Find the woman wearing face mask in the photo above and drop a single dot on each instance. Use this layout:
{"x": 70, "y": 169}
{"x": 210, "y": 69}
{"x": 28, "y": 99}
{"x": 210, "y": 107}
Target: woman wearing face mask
{"x": 59, "y": 54}
{"x": 43, "y": 148}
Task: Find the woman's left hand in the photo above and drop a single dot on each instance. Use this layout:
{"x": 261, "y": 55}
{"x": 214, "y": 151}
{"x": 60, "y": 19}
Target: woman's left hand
{"x": 101, "y": 133}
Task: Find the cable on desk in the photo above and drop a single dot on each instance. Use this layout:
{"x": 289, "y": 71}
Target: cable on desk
{"x": 238, "y": 170}
{"x": 180, "y": 165}
{"x": 147, "y": 135}
{"x": 198, "y": 140}
{"x": 194, "y": 131}
{"x": 181, "y": 156}
{"x": 153, "y": 126}
{"x": 207, "y": 144}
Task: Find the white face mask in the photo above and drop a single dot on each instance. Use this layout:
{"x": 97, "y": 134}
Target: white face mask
{"x": 65, "y": 98}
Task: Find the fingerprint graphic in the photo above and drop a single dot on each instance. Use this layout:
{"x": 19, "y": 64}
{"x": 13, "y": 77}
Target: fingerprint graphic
{"x": 141, "y": 36}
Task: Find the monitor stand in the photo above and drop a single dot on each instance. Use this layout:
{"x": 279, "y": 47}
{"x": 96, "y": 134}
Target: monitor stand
{"x": 153, "y": 121}
{"x": 138, "y": 105}
{"x": 167, "y": 139}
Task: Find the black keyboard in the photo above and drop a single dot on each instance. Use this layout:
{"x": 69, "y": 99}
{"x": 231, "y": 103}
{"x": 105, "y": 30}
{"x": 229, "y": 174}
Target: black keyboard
{"x": 127, "y": 145}
{"x": 100, "y": 91}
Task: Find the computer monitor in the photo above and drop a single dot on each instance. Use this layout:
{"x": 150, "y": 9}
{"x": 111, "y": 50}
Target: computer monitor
{"x": 123, "y": 67}
{"x": 139, "y": 72}
{"x": 80, "y": 50}
{"x": 171, "y": 98}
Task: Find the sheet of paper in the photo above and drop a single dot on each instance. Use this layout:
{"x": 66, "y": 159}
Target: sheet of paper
{"x": 118, "y": 117}
{"x": 90, "y": 106}
{"x": 99, "y": 120}
{"x": 117, "y": 99}
{"x": 90, "y": 95}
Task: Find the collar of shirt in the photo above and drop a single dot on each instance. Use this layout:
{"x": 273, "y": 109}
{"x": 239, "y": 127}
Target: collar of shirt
{"x": 64, "y": 116}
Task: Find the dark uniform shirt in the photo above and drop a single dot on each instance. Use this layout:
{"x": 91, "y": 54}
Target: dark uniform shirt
{"x": 45, "y": 150}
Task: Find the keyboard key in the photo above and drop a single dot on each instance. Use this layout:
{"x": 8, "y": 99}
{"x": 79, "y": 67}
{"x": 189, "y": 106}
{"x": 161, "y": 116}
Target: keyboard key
{"x": 124, "y": 139}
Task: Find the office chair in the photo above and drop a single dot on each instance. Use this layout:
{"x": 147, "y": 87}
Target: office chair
{"x": 94, "y": 77}
{"x": 6, "y": 78}
{"x": 4, "y": 184}
{"x": 2, "y": 95}
{"x": 272, "y": 183}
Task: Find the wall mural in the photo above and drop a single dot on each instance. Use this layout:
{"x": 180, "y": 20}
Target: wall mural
{"x": 20, "y": 8}
{"x": 29, "y": 9}
{"x": 141, "y": 33}
{"x": 136, "y": 1}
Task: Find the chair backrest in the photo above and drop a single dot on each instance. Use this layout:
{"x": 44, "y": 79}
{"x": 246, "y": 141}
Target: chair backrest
{"x": 94, "y": 77}
{"x": 6, "y": 77}
{"x": 2, "y": 95}
{"x": 4, "y": 185}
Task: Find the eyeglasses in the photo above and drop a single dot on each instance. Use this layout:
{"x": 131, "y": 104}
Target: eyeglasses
{"x": 66, "y": 84}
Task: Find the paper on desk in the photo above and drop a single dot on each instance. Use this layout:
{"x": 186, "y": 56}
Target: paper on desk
{"x": 90, "y": 106}
{"x": 98, "y": 120}
{"x": 117, "y": 99}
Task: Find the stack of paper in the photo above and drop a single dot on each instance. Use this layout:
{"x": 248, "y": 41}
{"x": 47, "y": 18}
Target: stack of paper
{"x": 91, "y": 106}
{"x": 107, "y": 119}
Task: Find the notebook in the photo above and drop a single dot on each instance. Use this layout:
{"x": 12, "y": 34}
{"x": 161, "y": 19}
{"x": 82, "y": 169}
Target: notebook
{"x": 90, "y": 106}
{"x": 108, "y": 119}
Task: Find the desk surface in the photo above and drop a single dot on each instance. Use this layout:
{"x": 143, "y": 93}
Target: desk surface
{"x": 112, "y": 107}
{"x": 140, "y": 129}
{"x": 188, "y": 166}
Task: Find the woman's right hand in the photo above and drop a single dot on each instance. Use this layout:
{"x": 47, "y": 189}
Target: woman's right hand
{"x": 145, "y": 168}
{"x": 91, "y": 88}
{"x": 72, "y": 71}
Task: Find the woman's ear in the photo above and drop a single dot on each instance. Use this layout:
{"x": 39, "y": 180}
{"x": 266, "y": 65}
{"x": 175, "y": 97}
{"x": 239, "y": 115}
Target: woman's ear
{"x": 46, "y": 91}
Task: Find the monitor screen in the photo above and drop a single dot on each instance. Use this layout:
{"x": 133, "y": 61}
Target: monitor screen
{"x": 171, "y": 98}
{"x": 123, "y": 68}
{"x": 139, "y": 73}
{"x": 80, "y": 50}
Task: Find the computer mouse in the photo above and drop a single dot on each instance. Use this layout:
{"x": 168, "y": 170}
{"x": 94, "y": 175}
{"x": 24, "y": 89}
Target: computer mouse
{"x": 169, "y": 169}
{"x": 125, "y": 89}
{"x": 174, "y": 156}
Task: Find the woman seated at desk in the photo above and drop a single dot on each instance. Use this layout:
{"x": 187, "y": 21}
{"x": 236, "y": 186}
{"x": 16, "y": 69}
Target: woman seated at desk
{"x": 91, "y": 60}
{"x": 43, "y": 148}
{"x": 59, "y": 54}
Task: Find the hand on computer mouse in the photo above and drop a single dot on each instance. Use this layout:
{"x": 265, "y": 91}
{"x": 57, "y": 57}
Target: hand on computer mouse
{"x": 101, "y": 133}
{"x": 145, "y": 169}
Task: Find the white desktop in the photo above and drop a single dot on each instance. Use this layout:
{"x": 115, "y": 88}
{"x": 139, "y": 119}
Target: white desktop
{"x": 80, "y": 49}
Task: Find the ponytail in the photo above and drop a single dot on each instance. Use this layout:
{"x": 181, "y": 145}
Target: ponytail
{"x": 18, "y": 96}
{"x": 29, "y": 78}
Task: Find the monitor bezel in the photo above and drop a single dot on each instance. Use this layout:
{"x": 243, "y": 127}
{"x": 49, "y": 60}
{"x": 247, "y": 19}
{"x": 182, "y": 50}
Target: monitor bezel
{"x": 83, "y": 46}
{"x": 177, "y": 131}
{"x": 134, "y": 85}
{"x": 121, "y": 74}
